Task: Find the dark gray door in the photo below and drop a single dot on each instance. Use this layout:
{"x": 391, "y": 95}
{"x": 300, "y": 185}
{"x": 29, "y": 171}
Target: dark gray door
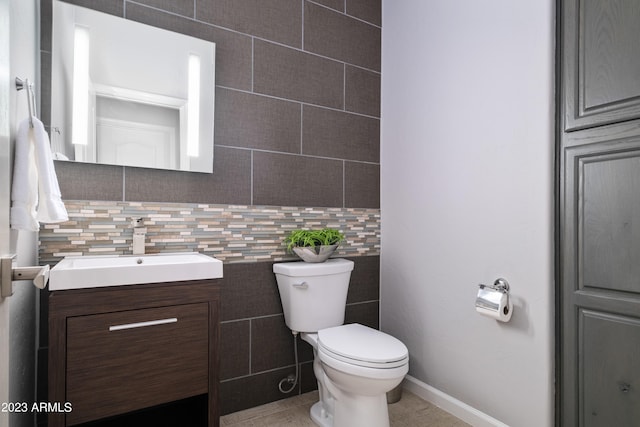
{"x": 599, "y": 214}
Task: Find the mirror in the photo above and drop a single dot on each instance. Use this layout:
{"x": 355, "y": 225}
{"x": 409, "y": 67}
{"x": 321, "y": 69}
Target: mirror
{"x": 126, "y": 93}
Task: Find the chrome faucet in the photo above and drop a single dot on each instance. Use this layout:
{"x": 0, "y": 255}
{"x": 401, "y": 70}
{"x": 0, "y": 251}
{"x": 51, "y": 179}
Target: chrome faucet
{"x": 139, "y": 234}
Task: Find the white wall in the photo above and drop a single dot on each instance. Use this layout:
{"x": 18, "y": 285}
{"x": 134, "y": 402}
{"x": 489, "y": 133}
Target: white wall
{"x": 467, "y": 197}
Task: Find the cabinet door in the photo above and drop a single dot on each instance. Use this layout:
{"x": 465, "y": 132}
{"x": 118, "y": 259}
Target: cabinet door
{"x": 124, "y": 361}
{"x": 601, "y": 53}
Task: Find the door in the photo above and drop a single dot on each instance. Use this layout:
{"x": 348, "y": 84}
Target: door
{"x": 599, "y": 214}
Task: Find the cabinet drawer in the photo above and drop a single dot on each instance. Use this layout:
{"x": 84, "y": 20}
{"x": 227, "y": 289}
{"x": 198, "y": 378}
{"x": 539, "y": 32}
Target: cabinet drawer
{"x": 123, "y": 361}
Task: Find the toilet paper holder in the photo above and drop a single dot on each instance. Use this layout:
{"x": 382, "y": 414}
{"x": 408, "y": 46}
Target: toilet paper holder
{"x": 494, "y": 300}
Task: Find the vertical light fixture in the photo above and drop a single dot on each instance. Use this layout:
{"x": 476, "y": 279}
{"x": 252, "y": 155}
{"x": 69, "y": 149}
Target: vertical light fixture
{"x": 193, "y": 106}
{"x": 80, "y": 130}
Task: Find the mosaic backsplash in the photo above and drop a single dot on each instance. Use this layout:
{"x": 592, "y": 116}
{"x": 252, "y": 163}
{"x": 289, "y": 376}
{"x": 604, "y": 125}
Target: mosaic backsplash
{"x": 230, "y": 233}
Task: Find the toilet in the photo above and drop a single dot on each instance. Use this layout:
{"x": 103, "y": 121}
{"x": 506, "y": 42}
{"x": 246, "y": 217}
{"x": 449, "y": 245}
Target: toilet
{"x": 355, "y": 365}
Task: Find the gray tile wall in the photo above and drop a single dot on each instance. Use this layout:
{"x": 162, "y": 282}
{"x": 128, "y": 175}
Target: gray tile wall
{"x": 297, "y": 124}
{"x": 297, "y": 104}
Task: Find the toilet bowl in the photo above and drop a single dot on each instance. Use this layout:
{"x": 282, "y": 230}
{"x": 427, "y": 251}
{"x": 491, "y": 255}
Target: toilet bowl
{"x": 355, "y": 365}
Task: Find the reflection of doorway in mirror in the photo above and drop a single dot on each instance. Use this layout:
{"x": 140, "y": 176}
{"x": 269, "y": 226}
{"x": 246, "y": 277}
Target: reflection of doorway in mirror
{"x": 135, "y": 144}
{"x": 133, "y": 133}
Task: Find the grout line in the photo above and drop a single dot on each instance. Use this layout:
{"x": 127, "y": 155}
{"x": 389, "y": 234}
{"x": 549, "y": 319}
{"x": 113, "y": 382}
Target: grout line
{"x": 344, "y": 87}
{"x": 344, "y": 12}
{"x": 328, "y": 58}
{"x": 293, "y": 365}
{"x": 286, "y": 153}
{"x": 250, "y": 347}
{"x": 301, "y": 128}
{"x": 302, "y": 26}
{"x": 245, "y": 319}
{"x": 296, "y": 101}
{"x": 253, "y": 61}
{"x": 344, "y": 185}
{"x": 251, "y": 178}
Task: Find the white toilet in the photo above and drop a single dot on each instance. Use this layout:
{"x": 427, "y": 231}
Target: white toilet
{"x": 355, "y": 365}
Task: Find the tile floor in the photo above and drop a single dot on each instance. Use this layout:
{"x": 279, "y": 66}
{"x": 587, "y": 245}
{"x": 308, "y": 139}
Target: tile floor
{"x": 410, "y": 411}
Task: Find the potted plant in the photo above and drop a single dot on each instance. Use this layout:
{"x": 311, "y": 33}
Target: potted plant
{"x": 313, "y": 245}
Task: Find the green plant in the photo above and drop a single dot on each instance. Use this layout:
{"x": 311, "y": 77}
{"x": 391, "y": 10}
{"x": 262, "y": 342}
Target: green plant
{"x": 326, "y": 236}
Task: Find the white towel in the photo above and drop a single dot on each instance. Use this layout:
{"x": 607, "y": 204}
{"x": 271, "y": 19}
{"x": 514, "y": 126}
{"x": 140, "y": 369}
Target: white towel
{"x": 35, "y": 193}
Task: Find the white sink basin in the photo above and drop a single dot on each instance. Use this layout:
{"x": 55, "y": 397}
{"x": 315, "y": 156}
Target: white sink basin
{"x": 75, "y": 272}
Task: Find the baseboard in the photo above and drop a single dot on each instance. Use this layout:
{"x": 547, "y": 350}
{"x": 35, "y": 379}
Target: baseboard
{"x": 450, "y": 404}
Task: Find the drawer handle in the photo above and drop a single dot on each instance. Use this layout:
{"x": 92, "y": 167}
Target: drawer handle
{"x": 142, "y": 324}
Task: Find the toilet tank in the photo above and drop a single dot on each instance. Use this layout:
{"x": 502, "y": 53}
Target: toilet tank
{"x": 313, "y": 295}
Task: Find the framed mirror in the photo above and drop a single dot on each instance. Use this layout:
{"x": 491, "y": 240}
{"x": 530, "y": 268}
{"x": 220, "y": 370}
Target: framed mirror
{"x": 126, "y": 93}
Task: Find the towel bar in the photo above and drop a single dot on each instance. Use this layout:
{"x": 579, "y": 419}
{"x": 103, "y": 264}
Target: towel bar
{"x": 8, "y": 274}
{"x": 31, "y": 97}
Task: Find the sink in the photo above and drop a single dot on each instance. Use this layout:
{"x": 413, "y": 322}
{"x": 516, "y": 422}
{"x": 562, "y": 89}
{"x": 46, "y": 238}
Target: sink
{"x": 75, "y": 272}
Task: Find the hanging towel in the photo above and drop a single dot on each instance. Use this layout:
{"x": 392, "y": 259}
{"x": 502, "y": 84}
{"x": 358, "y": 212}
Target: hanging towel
{"x": 35, "y": 193}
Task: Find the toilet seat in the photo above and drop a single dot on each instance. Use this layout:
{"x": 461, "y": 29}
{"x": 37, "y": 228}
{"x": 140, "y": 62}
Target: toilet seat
{"x": 359, "y": 345}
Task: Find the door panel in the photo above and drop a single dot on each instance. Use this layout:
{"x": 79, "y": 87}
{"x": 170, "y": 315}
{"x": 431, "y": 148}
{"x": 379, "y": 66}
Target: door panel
{"x": 600, "y": 240}
{"x": 610, "y": 379}
{"x": 610, "y": 221}
{"x": 601, "y": 67}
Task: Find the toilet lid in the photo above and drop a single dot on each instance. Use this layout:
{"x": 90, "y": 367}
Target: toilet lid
{"x": 359, "y": 343}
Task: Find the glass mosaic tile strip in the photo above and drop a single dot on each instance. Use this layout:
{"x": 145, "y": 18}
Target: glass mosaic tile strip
{"x": 231, "y": 233}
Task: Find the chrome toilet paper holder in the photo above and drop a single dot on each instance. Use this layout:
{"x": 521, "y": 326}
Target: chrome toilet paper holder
{"x": 493, "y": 300}
{"x": 499, "y": 285}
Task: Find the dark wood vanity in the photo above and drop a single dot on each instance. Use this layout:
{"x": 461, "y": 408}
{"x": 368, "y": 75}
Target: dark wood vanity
{"x": 115, "y": 350}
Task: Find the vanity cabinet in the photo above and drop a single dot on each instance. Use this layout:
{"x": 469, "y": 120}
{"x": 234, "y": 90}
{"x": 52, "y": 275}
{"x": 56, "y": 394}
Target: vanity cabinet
{"x": 121, "y": 349}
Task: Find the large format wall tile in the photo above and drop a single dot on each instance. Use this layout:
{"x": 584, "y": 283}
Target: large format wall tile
{"x": 291, "y": 74}
{"x": 370, "y": 11}
{"x": 112, "y": 7}
{"x": 180, "y": 7}
{"x": 235, "y": 349}
{"x": 341, "y": 37}
{"x": 86, "y": 181}
{"x": 272, "y": 341}
{"x": 277, "y": 20}
{"x": 249, "y": 290}
{"x": 362, "y": 91}
{"x": 333, "y": 4}
{"x": 309, "y": 180}
{"x": 230, "y": 181}
{"x": 254, "y": 121}
{"x": 341, "y": 135}
{"x": 362, "y": 184}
